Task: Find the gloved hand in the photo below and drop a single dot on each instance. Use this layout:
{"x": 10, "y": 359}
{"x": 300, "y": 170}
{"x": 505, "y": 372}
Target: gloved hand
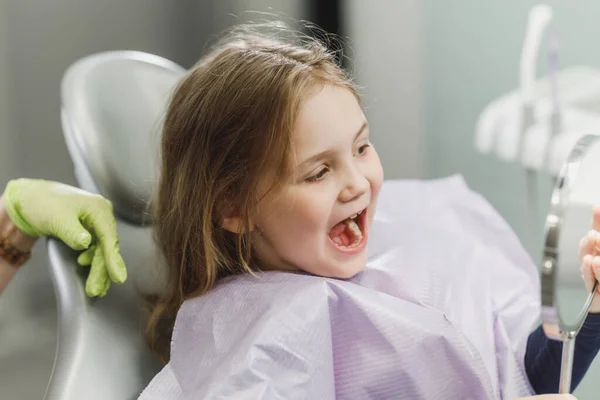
{"x": 82, "y": 220}
{"x": 589, "y": 253}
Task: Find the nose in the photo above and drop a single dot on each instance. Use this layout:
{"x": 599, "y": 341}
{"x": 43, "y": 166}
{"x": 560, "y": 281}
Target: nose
{"x": 355, "y": 185}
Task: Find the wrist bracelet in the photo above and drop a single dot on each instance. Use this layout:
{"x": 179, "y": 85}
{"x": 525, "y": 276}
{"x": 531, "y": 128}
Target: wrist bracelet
{"x": 11, "y": 254}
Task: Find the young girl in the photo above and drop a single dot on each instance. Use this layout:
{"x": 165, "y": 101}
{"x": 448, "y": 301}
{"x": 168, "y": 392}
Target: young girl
{"x": 265, "y": 207}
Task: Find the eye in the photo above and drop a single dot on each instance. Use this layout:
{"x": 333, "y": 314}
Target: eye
{"x": 318, "y": 176}
{"x": 362, "y": 150}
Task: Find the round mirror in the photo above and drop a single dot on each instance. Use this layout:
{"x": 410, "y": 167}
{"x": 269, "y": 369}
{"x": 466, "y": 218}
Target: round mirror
{"x": 565, "y": 300}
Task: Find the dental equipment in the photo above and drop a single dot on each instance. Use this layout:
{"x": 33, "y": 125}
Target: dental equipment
{"x": 538, "y": 123}
{"x": 503, "y": 121}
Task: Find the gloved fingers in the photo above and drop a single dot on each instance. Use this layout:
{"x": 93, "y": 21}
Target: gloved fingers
{"x": 114, "y": 261}
{"x": 103, "y": 293}
{"x": 105, "y": 228}
{"x": 71, "y": 231}
{"x": 86, "y": 257}
{"x": 98, "y": 281}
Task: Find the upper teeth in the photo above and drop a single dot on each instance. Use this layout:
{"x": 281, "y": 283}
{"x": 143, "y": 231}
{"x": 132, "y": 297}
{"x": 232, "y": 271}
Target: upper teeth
{"x": 353, "y": 216}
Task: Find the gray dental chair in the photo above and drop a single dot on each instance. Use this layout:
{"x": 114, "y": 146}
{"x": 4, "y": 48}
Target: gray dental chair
{"x": 112, "y": 104}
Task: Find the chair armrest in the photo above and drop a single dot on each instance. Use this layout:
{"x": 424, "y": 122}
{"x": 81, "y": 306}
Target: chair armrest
{"x": 101, "y": 352}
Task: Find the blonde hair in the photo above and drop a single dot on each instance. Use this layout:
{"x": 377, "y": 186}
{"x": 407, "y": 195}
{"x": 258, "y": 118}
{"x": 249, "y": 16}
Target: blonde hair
{"x": 228, "y": 127}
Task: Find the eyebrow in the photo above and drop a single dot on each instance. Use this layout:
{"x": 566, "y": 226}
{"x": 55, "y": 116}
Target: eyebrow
{"x": 327, "y": 153}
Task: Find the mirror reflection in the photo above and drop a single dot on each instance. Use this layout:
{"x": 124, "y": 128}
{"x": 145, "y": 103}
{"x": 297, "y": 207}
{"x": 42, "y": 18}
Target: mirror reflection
{"x": 581, "y": 195}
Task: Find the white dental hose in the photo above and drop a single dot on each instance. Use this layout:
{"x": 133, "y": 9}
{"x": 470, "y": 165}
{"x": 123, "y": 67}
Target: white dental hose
{"x": 520, "y": 116}
{"x": 555, "y": 117}
{"x": 540, "y": 17}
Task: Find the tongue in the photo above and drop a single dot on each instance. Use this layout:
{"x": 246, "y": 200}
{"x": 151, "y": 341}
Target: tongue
{"x": 341, "y": 234}
{"x": 337, "y": 230}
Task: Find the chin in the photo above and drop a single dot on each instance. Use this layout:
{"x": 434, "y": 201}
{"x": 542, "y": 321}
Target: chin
{"x": 338, "y": 267}
{"x": 347, "y": 274}
{"x": 349, "y": 269}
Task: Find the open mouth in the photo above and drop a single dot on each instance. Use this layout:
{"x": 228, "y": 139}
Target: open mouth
{"x": 349, "y": 233}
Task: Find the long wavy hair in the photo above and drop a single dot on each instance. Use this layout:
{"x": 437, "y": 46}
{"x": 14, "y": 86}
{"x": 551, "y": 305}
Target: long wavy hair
{"x": 228, "y": 128}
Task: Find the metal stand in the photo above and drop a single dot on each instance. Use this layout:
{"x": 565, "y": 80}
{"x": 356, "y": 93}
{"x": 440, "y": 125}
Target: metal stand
{"x": 566, "y": 367}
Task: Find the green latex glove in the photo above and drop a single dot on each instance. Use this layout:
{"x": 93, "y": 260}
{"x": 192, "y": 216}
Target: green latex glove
{"x": 82, "y": 220}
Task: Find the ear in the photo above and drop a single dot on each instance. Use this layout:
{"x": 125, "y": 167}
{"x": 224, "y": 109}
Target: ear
{"x": 231, "y": 220}
{"x": 232, "y": 224}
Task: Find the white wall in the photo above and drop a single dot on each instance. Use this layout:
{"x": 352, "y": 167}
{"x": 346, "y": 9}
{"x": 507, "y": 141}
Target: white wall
{"x": 45, "y": 37}
{"x": 7, "y": 137}
{"x": 291, "y": 8}
{"x": 387, "y": 45}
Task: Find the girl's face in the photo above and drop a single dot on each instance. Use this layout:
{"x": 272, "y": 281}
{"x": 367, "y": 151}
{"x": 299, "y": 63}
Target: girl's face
{"x": 320, "y": 219}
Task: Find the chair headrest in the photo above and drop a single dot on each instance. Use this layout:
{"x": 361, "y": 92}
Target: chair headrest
{"x": 113, "y": 105}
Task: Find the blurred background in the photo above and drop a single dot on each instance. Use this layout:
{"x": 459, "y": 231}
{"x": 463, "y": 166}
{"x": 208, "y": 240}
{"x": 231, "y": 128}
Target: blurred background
{"x": 428, "y": 68}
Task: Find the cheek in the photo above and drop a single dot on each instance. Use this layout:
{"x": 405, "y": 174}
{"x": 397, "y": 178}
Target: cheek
{"x": 375, "y": 172}
{"x": 375, "y": 177}
{"x": 297, "y": 215}
{"x": 310, "y": 213}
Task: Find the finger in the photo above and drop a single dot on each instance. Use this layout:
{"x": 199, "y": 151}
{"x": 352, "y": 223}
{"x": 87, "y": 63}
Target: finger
{"x": 595, "y": 272}
{"x": 71, "y": 232}
{"x": 586, "y": 272}
{"x": 596, "y": 218}
{"x": 105, "y": 290}
{"x": 98, "y": 278}
{"x": 105, "y": 228}
{"x": 594, "y": 242}
{"x": 85, "y": 258}
{"x": 586, "y": 244}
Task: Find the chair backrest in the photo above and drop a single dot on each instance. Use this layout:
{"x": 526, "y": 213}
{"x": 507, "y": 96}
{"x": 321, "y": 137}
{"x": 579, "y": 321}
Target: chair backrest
{"x": 112, "y": 108}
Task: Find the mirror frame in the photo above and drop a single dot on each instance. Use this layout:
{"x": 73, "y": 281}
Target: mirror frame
{"x": 554, "y": 326}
